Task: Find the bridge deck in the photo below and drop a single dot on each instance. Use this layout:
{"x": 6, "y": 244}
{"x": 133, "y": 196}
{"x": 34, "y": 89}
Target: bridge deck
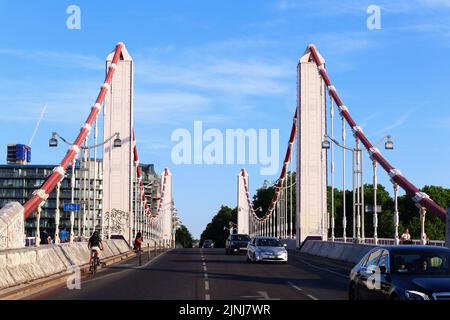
{"x": 183, "y": 274}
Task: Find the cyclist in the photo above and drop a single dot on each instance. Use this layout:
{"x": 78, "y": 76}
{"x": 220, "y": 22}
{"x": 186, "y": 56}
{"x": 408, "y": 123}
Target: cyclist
{"x": 138, "y": 242}
{"x": 95, "y": 244}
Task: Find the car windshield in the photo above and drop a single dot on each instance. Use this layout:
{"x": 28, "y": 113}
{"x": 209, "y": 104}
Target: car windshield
{"x": 427, "y": 263}
{"x": 240, "y": 237}
{"x": 208, "y": 241}
{"x": 268, "y": 243}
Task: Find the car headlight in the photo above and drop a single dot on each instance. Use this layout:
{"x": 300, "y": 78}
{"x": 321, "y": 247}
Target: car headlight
{"x": 416, "y": 295}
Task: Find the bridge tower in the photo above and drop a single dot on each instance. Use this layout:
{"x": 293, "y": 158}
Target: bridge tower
{"x": 243, "y": 209}
{"x": 167, "y": 205}
{"x": 311, "y": 158}
{"x": 118, "y": 162}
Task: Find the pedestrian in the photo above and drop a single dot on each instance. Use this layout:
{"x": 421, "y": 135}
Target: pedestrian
{"x": 406, "y": 237}
{"x": 63, "y": 234}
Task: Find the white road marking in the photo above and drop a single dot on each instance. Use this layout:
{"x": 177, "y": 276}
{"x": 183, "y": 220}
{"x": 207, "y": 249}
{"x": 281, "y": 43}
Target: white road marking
{"x": 206, "y": 276}
{"x": 207, "y": 297}
{"x": 207, "y": 285}
{"x": 311, "y": 297}
{"x": 301, "y": 290}
{"x": 294, "y": 286}
{"x": 263, "y": 295}
{"x": 205, "y": 269}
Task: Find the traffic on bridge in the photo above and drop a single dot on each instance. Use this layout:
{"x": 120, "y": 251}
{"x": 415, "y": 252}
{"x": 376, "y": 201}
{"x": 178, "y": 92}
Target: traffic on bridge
{"x": 285, "y": 189}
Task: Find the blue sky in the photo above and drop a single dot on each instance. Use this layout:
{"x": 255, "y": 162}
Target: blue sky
{"x": 230, "y": 64}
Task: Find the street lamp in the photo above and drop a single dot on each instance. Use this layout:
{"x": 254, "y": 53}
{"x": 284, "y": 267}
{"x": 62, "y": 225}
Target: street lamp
{"x": 117, "y": 141}
{"x": 53, "y": 142}
{"x": 389, "y": 145}
{"x": 326, "y": 143}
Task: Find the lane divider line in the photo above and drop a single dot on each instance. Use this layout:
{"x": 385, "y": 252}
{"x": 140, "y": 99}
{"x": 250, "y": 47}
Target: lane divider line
{"x": 301, "y": 290}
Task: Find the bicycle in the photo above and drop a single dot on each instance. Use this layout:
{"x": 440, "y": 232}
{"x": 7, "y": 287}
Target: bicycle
{"x": 95, "y": 261}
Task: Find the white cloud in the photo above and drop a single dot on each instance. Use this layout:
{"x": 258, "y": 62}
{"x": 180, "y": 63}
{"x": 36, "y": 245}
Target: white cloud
{"x": 237, "y": 77}
{"x": 397, "y": 123}
{"x": 436, "y": 3}
{"x": 56, "y": 58}
{"x": 169, "y": 105}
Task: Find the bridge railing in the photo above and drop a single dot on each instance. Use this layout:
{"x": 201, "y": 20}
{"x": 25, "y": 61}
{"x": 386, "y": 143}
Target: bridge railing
{"x": 389, "y": 242}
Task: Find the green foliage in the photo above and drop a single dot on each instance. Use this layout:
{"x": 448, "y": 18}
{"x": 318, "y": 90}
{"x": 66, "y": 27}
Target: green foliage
{"x": 183, "y": 237}
{"x": 217, "y": 229}
{"x": 410, "y": 214}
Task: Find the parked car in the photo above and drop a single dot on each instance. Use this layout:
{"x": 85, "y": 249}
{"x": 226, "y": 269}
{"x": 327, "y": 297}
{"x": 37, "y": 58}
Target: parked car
{"x": 208, "y": 244}
{"x": 402, "y": 273}
{"x": 267, "y": 249}
{"x": 237, "y": 243}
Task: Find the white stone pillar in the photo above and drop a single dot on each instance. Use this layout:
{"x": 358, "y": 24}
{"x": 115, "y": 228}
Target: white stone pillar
{"x": 311, "y": 158}
{"x": 166, "y": 216}
{"x": 242, "y": 206}
{"x": 118, "y": 162}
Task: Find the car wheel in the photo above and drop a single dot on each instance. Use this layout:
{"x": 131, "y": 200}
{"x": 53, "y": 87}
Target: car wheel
{"x": 254, "y": 257}
{"x": 248, "y": 259}
{"x": 352, "y": 294}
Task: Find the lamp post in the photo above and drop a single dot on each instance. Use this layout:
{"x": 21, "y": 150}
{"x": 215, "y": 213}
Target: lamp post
{"x": 389, "y": 145}
{"x": 53, "y": 143}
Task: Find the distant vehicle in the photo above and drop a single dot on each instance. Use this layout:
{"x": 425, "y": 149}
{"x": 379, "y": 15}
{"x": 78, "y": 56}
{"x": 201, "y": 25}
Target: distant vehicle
{"x": 208, "y": 244}
{"x": 402, "y": 273}
{"x": 266, "y": 249}
{"x": 237, "y": 243}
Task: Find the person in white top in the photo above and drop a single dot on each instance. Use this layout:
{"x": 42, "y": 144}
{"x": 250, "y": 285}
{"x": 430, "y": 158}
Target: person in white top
{"x": 406, "y": 237}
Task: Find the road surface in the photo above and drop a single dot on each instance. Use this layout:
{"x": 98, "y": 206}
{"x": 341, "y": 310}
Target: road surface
{"x": 209, "y": 274}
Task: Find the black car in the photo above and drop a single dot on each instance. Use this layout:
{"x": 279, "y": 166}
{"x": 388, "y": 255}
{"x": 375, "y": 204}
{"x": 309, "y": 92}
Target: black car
{"x": 208, "y": 244}
{"x": 402, "y": 273}
{"x": 237, "y": 243}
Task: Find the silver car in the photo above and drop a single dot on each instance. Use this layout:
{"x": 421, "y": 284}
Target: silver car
{"x": 266, "y": 249}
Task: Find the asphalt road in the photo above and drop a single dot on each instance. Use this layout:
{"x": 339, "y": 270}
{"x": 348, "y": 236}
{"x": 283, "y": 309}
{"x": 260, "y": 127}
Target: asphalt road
{"x": 204, "y": 274}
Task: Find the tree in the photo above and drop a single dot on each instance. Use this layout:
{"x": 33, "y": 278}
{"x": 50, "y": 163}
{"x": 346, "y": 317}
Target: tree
{"x": 217, "y": 229}
{"x": 410, "y": 214}
{"x": 183, "y": 237}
